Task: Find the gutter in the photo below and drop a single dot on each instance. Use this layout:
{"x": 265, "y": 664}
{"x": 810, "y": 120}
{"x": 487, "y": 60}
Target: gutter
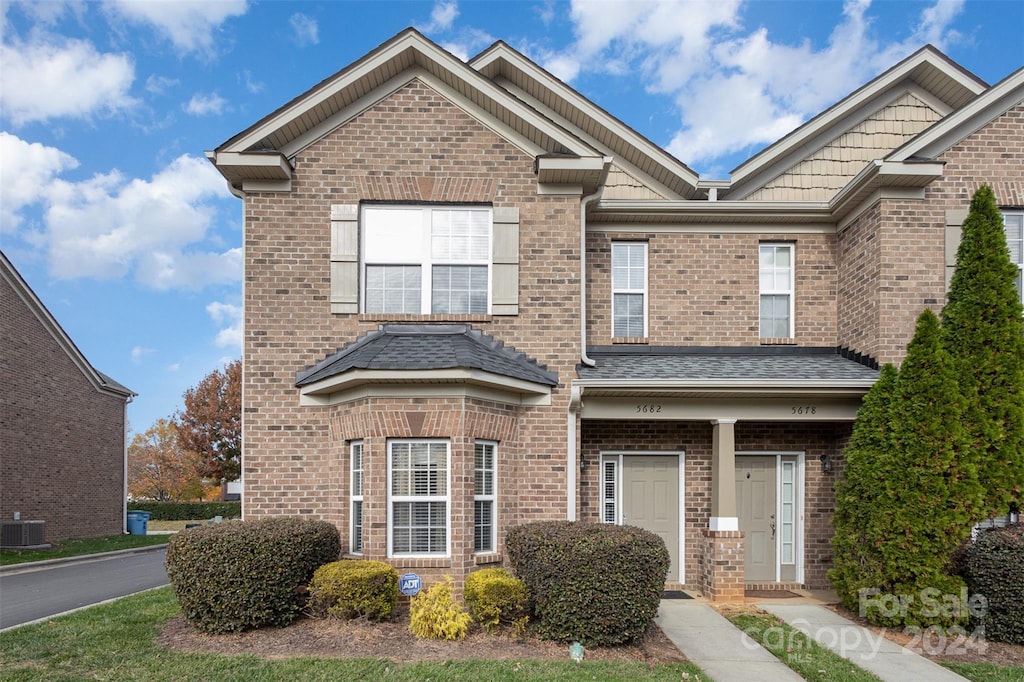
{"x": 584, "y": 203}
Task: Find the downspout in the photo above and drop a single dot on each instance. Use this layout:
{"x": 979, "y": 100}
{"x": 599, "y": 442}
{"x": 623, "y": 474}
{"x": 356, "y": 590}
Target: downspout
{"x": 124, "y": 430}
{"x": 576, "y": 393}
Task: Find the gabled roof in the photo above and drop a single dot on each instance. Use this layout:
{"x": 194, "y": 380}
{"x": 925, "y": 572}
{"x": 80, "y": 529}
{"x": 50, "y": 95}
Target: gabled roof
{"x": 100, "y": 381}
{"x": 947, "y": 85}
{"x": 424, "y": 353}
{"x": 929, "y": 144}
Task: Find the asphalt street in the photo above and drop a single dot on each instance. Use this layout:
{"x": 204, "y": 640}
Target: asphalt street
{"x": 36, "y": 592}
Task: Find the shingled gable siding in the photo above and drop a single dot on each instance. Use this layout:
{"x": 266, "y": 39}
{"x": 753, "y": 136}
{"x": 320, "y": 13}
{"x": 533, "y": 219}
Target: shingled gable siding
{"x": 411, "y": 146}
{"x": 694, "y": 439}
{"x": 63, "y": 441}
{"x": 703, "y": 288}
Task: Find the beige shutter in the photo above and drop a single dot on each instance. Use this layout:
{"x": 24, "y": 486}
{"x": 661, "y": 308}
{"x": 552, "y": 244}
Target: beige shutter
{"x": 954, "y": 220}
{"x": 505, "y": 262}
{"x": 345, "y": 258}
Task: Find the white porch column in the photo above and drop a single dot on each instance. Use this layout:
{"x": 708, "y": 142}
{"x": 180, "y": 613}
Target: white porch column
{"x": 723, "y": 476}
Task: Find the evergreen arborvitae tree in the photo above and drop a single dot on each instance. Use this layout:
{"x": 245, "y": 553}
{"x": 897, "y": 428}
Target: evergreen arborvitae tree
{"x": 857, "y": 555}
{"x": 929, "y": 489}
{"x": 983, "y": 329}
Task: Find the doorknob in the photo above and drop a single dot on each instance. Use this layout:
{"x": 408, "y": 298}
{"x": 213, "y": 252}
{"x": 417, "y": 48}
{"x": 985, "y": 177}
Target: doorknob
{"x": 772, "y": 516}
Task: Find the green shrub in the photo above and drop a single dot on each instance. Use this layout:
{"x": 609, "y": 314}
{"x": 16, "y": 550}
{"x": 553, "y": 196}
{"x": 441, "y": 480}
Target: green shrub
{"x": 591, "y": 583}
{"x": 354, "y": 589}
{"x": 188, "y": 511}
{"x": 935, "y": 600}
{"x": 434, "y": 613}
{"x": 240, "y": 575}
{"x": 993, "y": 569}
{"x": 494, "y": 596}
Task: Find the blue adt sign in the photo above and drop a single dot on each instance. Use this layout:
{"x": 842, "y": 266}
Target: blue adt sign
{"x": 410, "y": 584}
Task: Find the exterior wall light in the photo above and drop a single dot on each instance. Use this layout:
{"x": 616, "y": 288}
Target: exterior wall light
{"x": 826, "y": 463}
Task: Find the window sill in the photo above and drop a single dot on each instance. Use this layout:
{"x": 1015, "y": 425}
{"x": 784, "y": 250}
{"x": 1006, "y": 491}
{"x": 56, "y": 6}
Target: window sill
{"x": 778, "y": 342}
{"x": 487, "y": 558}
{"x": 405, "y": 317}
{"x": 637, "y": 340}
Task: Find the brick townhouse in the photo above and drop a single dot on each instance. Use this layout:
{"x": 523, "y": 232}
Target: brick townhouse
{"x": 474, "y": 299}
{"x": 62, "y": 428}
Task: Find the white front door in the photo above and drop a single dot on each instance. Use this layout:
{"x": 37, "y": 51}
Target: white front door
{"x": 643, "y": 490}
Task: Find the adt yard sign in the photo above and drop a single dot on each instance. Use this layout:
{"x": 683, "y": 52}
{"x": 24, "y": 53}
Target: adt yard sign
{"x": 410, "y": 584}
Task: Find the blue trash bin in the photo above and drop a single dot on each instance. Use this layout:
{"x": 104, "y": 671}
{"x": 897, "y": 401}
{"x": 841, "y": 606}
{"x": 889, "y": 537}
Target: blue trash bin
{"x": 138, "y": 521}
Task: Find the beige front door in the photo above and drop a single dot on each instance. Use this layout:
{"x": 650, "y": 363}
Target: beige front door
{"x": 650, "y": 499}
{"x": 755, "y": 507}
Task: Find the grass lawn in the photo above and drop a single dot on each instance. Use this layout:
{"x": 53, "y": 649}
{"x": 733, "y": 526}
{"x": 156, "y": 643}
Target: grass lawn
{"x": 68, "y": 548}
{"x": 116, "y": 642}
{"x": 987, "y": 672}
{"x": 806, "y": 657}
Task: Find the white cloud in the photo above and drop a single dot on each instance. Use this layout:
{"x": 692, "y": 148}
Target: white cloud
{"x": 174, "y": 367}
{"x": 27, "y": 168}
{"x": 253, "y": 86}
{"x": 442, "y": 16}
{"x": 158, "y": 85}
{"x": 53, "y": 77}
{"x": 138, "y": 352}
{"x": 205, "y": 105}
{"x": 305, "y": 30}
{"x": 736, "y": 88}
{"x": 231, "y": 317}
{"x": 190, "y": 25}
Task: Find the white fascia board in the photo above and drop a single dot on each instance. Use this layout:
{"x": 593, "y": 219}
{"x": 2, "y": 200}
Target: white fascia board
{"x": 960, "y": 124}
{"x": 882, "y": 173}
{"x": 422, "y": 391}
{"x": 718, "y": 209}
{"x": 237, "y": 163}
{"x": 808, "y": 385}
{"x": 501, "y": 52}
{"x": 456, "y": 375}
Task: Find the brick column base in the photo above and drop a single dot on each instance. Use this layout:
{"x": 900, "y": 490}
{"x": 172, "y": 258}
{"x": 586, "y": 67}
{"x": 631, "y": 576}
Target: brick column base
{"x": 721, "y": 565}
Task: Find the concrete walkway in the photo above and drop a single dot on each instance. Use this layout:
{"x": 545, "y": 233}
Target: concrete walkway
{"x": 721, "y": 650}
{"x": 861, "y": 646}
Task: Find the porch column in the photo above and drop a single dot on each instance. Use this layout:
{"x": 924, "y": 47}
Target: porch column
{"x": 723, "y": 476}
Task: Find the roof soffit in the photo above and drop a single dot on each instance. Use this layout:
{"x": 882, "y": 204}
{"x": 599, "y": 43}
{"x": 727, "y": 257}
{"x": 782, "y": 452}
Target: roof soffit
{"x": 542, "y": 90}
{"x": 927, "y": 73}
{"x": 393, "y": 64}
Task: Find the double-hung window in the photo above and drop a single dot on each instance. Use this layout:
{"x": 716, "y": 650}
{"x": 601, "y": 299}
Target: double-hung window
{"x": 776, "y": 283}
{"x": 484, "y": 498}
{"x": 426, "y": 259}
{"x": 356, "y": 530}
{"x": 629, "y": 289}
{"x": 418, "y": 487}
{"x": 1013, "y": 222}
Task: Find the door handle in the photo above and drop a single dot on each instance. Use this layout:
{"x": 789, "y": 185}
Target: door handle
{"x": 773, "y": 525}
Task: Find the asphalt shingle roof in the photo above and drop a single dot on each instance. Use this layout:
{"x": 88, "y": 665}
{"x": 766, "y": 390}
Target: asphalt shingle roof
{"x": 426, "y": 347}
{"x": 756, "y": 364}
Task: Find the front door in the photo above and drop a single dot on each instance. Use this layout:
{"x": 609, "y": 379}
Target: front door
{"x": 755, "y": 507}
{"x": 650, "y": 499}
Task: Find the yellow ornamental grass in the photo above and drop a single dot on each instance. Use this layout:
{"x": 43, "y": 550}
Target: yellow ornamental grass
{"x": 434, "y": 613}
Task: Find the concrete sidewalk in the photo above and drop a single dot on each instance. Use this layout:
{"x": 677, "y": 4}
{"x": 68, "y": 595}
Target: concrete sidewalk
{"x": 861, "y": 646}
{"x": 721, "y": 650}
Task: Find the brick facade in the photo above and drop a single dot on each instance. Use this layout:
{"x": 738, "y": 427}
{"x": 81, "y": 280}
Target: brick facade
{"x": 62, "y": 440}
{"x": 860, "y": 280}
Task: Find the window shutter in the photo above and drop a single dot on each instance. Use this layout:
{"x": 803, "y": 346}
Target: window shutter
{"x": 345, "y": 258}
{"x": 505, "y": 263}
{"x": 954, "y": 220}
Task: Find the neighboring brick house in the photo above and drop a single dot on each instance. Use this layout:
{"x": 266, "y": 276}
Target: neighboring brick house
{"x": 475, "y": 299}
{"x": 62, "y": 424}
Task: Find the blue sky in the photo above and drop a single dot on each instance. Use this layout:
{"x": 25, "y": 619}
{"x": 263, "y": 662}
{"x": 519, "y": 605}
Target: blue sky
{"x": 110, "y": 211}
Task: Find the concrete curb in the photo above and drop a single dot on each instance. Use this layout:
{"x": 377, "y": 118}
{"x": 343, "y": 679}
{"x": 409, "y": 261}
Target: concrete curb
{"x": 36, "y": 565}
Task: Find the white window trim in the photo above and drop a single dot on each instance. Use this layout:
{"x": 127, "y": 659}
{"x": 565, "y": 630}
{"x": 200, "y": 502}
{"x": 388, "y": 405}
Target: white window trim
{"x": 354, "y": 496}
{"x": 492, "y": 498}
{"x": 643, "y": 292}
{"x": 426, "y": 262}
{"x": 446, "y": 498}
{"x": 1020, "y": 264}
{"x": 791, "y": 291}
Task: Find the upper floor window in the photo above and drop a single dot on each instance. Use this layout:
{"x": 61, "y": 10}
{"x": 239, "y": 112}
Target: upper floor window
{"x": 427, "y": 259}
{"x": 1013, "y": 221}
{"x": 629, "y": 289}
{"x": 776, "y": 283}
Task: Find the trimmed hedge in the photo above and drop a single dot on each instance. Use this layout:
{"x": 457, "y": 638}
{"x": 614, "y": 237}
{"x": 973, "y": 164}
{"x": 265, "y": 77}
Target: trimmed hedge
{"x": 187, "y": 511}
{"x": 434, "y": 613}
{"x": 591, "y": 583}
{"x": 354, "y": 589}
{"x": 993, "y": 568}
{"x": 493, "y": 596}
{"x": 240, "y": 575}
